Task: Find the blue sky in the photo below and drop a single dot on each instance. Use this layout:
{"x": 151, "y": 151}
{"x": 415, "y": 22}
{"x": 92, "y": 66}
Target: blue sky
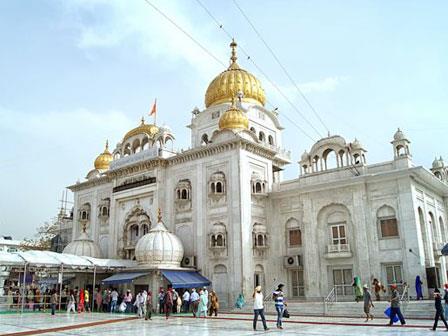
{"x": 75, "y": 73}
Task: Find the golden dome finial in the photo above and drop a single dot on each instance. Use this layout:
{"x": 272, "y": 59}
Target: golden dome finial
{"x": 234, "y": 79}
{"x": 103, "y": 160}
{"x": 233, "y": 118}
{"x": 142, "y": 120}
{"x": 233, "y": 46}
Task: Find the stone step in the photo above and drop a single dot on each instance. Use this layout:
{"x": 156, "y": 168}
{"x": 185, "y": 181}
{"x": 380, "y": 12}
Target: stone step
{"x": 412, "y": 309}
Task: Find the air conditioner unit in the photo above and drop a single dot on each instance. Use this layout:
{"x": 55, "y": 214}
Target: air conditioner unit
{"x": 292, "y": 261}
{"x": 188, "y": 262}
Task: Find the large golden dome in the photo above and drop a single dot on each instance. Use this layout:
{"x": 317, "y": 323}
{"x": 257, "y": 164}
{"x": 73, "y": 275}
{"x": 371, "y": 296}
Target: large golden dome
{"x": 233, "y": 118}
{"x": 150, "y": 129}
{"x": 103, "y": 160}
{"x": 229, "y": 83}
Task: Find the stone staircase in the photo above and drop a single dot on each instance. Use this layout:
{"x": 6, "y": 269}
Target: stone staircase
{"x": 412, "y": 309}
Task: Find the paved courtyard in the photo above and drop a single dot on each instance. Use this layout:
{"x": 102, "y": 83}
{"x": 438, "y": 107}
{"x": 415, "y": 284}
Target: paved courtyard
{"x": 226, "y": 324}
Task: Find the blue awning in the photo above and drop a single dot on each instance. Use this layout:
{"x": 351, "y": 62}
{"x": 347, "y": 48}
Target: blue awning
{"x": 445, "y": 250}
{"x": 121, "y": 278}
{"x": 185, "y": 279}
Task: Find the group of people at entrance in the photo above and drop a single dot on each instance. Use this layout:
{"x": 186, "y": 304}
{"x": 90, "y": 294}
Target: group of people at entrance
{"x": 279, "y": 302}
{"x": 197, "y": 301}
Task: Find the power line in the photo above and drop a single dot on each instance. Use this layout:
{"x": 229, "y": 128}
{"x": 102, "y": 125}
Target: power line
{"x": 281, "y": 65}
{"x": 185, "y": 32}
{"x": 295, "y": 108}
{"x": 220, "y": 62}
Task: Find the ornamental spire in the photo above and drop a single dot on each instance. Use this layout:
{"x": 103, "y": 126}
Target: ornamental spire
{"x": 107, "y": 146}
{"x": 234, "y": 57}
{"x": 159, "y": 216}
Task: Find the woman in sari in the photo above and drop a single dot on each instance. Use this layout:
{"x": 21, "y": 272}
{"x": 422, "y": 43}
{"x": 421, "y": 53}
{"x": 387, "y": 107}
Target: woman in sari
{"x": 357, "y": 289}
{"x": 418, "y": 288}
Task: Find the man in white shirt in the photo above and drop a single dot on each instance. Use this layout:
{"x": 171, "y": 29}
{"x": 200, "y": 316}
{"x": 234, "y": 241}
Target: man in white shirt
{"x": 194, "y": 299}
{"x": 186, "y": 301}
{"x": 114, "y": 300}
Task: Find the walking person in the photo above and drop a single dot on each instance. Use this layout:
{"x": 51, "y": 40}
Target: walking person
{"x": 194, "y": 301}
{"x": 179, "y": 304}
{"x": 139, "y": 303}
{"x": 87, "y": 300}
{"x": 99, "y": 300}
{"x": 168, "y": 301}
{"x": 161, "y": 298}
{"x": 114, "y": 300}
{"x": 214, "y": 303}
{"x": 418, "y": 287}
{"x": 367, "y": 297}
{"x": 53, "y": 301}
{"x": 278, "y": 297}
{"x": 203, "y": 302}
{"x": 186, "y": 301}
{"x": 81, "y": 301}
{"x": 445, "y": 298}
{"x": 128, "y": 300}
{"x": 395, "y": 306}
{"x": 148, "y": 305}
{"x": 71, "y": 303}
{"x": 377, "y": 288}
{"x": 258, "y": 308}
{"x": 357, "y": 288}
{"x": 439, "y": 310}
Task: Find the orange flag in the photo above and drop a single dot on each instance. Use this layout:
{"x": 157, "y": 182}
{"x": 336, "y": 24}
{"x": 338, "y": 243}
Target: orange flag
{"x": 154, "y": 108}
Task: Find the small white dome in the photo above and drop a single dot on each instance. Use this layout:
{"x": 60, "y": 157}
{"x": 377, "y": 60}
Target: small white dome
{"x": 159, "y": 247}
{"x": 305, "y": 156}
{"x": 399, "y": 135}
{"x": 83, "y": 246}
{"x": 438, "y": 163}
{"x": 356, "y": 144}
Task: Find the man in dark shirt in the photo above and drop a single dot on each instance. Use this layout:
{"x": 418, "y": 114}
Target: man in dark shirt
{"x": 439, "y": 310}
{"x": 395, "y": 306}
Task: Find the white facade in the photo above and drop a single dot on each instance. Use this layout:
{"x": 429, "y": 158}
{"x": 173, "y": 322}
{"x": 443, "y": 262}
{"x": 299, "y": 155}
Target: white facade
{"x": 240, "y": 225}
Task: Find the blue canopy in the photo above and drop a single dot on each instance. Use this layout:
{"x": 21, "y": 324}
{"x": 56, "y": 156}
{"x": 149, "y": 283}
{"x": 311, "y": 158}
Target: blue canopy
{"x": 186, "y": 279}
{"x": 445, "y": 250}
{"x": 121, "y": 278}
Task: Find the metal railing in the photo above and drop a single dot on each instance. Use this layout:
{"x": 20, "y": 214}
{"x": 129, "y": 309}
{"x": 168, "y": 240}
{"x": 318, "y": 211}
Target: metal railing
{"x": 335, "y": 248}
{"x": 331, "y": 298}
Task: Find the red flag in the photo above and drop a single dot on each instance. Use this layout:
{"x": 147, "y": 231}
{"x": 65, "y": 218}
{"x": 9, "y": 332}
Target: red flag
{"x": 154, "y": 108}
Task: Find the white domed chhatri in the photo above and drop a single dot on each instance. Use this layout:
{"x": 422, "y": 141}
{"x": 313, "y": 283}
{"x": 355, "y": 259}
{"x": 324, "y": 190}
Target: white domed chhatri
{"x": 159, "y": 247}
{"x": 83, "y": 246}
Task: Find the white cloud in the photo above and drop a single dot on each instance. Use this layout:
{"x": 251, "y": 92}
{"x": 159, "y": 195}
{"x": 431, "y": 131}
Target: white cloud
{"x": 125, "y": 23}
{"x": 327, "y": 84}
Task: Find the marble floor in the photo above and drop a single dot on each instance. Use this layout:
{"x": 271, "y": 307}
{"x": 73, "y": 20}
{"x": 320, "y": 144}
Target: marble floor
{"x": 226, "y": 324}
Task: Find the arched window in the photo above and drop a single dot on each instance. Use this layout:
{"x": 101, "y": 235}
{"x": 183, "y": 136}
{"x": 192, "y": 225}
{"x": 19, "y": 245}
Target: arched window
{"x": 330, "y": 159}
{"x": 271, "y": 140}
{"x": 252, "y": 129}
{"x": 204, "y": 139}
{"x": 145, "y": 229}
{"x": 184, "y": 194}
{"x": 433, "y": 225}
{"x": 260, "y": 240}
{"x": 217, "y": 183}
{"x": 219, "y": 241}
{"x": 261, "y": 136}
{"x": 258, "y": 187}
{"x": 388, "y": 222}
{"x": 442, "y": 230}
{"x": 218, "y": 187}
{"x": 105, "y": 211}
{"x": 84, "y": 215}
{"x": 295, "y": 237}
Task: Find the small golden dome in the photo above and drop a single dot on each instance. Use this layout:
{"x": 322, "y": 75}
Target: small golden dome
{"x": 233, "y": 118}
{"x": 149, "y": 129}
{"x": 232, "y": 81}
{"x": 103, "y": 160}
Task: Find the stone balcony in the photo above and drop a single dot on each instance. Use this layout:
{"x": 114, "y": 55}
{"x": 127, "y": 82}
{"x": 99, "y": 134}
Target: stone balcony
{"x": 335, "y": 251}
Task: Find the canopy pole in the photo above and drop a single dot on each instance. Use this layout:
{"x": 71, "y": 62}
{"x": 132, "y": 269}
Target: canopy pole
{"x": 23, "y": 287}
{"x": 60, "y": 285}
{"x": 93, "y": 288}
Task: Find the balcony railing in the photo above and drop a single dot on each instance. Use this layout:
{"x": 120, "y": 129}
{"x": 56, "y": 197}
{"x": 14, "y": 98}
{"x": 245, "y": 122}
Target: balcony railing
{"x": 338, "y": 248}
